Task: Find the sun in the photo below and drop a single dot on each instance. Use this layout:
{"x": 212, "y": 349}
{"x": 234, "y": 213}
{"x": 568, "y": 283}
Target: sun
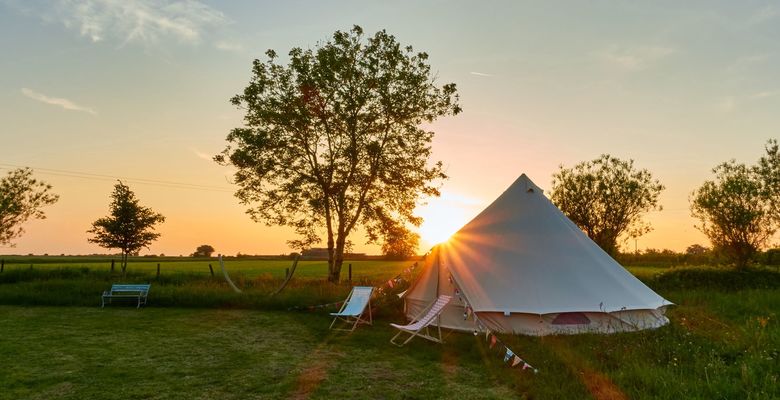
{"x": 442, "y": 217}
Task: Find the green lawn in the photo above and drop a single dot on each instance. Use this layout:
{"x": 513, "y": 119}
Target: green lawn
{"x": 173, "y": 353}
{"x": 723, "y": 342}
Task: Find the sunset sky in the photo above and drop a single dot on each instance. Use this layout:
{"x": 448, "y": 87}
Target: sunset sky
{"x": 95, "y": 90}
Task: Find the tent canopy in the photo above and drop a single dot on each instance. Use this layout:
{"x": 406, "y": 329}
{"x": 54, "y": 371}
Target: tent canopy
{"x": 523, "y": 255}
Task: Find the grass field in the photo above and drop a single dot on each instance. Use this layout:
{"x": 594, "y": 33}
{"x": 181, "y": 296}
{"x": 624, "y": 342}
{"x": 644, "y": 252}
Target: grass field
{"x": 251, "y": 268}
{"x": 723, "y": 342}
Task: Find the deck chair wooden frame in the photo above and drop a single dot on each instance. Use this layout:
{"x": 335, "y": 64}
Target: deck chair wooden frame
{"x": 355, "y": 317}
{"x": 423, "y": 321}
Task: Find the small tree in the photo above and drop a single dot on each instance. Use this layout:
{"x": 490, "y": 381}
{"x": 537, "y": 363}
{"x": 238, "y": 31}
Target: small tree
{"x": 733, "y": 212}
{"x": 696, "y": 250}
{"x": 606, "y": 198}
{"x": 203, "y": 250}
{"x": 129, "y": 227}
{"x": 333, "y": 140}
{"x": 21, "y": 198}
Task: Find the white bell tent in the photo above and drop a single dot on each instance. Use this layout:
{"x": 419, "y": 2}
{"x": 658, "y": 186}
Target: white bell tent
{"x": 524, "y": 267}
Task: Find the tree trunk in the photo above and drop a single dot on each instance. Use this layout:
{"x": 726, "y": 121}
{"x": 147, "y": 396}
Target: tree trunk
{"x": 124, "y": 262}
{"x": 333, "y": 276}
{"x": 336, "y": 259}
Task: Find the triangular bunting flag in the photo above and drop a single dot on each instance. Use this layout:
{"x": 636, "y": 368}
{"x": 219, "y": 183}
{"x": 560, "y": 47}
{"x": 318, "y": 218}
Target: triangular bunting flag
{"x": 526, "y": 366}
{"x": 508, "y": 354}
{"x": 492, "y": 341}
{"x": 516, "y": 360}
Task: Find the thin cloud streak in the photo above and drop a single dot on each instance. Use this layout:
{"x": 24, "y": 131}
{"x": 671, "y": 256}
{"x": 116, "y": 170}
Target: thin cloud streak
{"x": 637, "y": 57}
{"x": 765, "y": 94}
{"x": 57, "y": 101}
{"x": 202, "y": 155}
{"x": 229, "y": 46}
{"x": 479, "y": 73}
{"x": 140, "y": 21}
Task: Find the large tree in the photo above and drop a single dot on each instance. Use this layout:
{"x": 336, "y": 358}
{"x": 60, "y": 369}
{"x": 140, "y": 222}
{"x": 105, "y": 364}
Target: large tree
{"x": 734, "y": 212}
{"x": 129, "y": 226}
{"x": 21, "y": 198}
{"x": 607, "y": 198}
{"x": 769, "y": 170}
{"x": 334, "y": 139}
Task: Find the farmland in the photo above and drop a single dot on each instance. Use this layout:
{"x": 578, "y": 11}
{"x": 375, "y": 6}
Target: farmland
{"x": 199, "y": 339}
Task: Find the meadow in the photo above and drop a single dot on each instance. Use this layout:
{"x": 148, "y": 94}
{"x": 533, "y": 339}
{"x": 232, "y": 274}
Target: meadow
{"x": 199, "y": 339}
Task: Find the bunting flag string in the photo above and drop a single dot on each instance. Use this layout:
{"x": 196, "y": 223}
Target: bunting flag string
{"x": 337, "y": 304}
{"x": 509, "y": 356}
{"x": 391, "y": 283}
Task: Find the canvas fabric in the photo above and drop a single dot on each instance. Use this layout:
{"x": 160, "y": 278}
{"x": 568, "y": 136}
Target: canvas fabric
{"x": 524, "y": 267}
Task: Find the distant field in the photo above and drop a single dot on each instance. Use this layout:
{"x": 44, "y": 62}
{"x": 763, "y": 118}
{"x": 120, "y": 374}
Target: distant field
{"x": 250, "y": 269}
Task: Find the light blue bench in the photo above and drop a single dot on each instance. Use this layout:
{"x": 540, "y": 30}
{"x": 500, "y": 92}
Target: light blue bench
{"x": 121, "y": 290}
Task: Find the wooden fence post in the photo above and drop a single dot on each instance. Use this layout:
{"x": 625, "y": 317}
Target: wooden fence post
{"x": 2, "y": 265}
{"x": 158, "y": 271}
{"x": 350, "y": 273}
{"x": 112, "y": 265}
{"x": 211, "y": 270}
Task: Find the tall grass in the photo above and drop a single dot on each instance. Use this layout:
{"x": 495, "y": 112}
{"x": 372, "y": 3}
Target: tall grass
{"x": 82, "y": 286}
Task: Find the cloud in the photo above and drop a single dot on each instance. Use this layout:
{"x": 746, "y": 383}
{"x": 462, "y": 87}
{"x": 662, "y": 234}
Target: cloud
{"x": 767, "y": 13}
{"x": 229, "y": 46}
{"x": 637, "y": 57}
{"x": 137, "y": 21}
{"x": 764, "y": 94}
{"x": 479, "y": 73}
{"x": 734, "y": 102}
{"x": 56, "y": 101}
{"x": 202, "y": 155}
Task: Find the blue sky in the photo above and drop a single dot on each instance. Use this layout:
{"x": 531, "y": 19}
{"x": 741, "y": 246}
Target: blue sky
{"x": 141, "y": 89}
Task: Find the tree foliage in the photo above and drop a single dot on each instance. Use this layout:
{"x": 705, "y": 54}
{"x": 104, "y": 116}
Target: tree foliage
{"x": 203, "y": 250}
{"x": 400, "y": 243}
{"x": 696, "y": 250}
{"x": 769, "y": 171}
{"x": 734, "y": 212}
{"x": 129, "y": 226}
{"x": 21, "y": 198}
{"x": 333, "y": 141}
{"x": 606, "y": 198}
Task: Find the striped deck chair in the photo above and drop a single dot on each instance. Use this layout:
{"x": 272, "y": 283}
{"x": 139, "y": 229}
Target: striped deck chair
{"x": 418, "y": 324}
{"x": 353, "y": 308}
